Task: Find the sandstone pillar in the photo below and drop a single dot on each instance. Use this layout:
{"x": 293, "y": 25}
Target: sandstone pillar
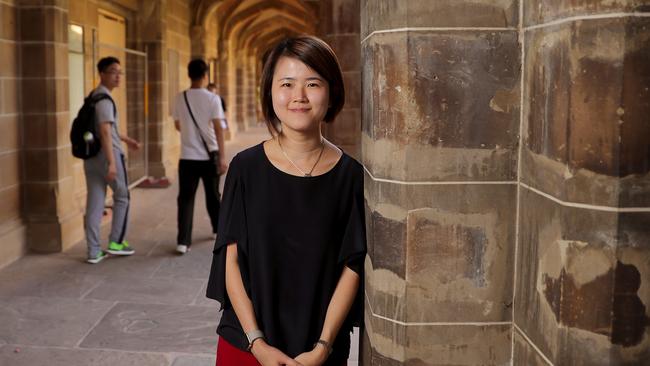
{"x": 583, "y": 261}
{"x": 154, "y": 39}
{"x": 12, "y": 227}
{"x": 54, "y": 221}
{"x": 339, "y": 27}
{"x": 440, "y": 117}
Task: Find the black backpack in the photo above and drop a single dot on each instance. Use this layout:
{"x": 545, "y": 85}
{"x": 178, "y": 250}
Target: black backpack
{"x": 84, "y": 136}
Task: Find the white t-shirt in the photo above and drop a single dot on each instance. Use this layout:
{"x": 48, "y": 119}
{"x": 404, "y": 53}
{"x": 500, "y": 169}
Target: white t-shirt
{"x": 206, "y": 107}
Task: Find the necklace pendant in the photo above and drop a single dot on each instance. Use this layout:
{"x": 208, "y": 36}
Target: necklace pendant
{"x": 307, "y": 174}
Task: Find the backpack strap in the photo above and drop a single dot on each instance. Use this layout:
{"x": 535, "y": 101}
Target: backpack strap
{"x": 101, "y": 96}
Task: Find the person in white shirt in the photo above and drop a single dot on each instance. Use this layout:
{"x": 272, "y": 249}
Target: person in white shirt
{"x": 198, "y": 115}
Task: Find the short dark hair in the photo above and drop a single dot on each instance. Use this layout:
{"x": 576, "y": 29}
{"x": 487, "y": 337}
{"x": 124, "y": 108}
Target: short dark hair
{"x": 196, "y": 69}
{"x": 314, "y": 53}
{"x": 106, "y": 62}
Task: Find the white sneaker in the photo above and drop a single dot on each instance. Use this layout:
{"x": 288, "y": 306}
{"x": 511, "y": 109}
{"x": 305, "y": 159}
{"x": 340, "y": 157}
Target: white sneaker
{"x": 181, "y": 248}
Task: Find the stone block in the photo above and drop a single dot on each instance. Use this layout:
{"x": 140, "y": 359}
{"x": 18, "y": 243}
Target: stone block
{"x": 10, "y": 203}
{"x": 13, "y": 241}
{"x": 524, "y": 353}
{"x": 457, "y": 253}
{"x": 579, "y": 282}
{"x": 543, "y": 11}
{"x": 8, "y": 96}
{"x": 156, "y": 328}
{"x": 10, "y": 136}
{"x": 44, "y": 60}
{"x": 45, "y": 95}
{"x": 57, "y": 322}
{"x": 48, "y": 24}
{"x": 148, "y": 290}
{"x": 41, "y": 198}
{"x": 47, "y": 130}
{"x": 588, "y": 87}
{"x": 346, "y": 128}
{"x": 352, "y": 82}
{"x": 393, "y": 344}
{"x": 8, "y": 22}
{"x": 346, "y": 47}
{"x": 9, "y": 59}
{"x": 438, "y": 113}
{"x": 77, "y": 12}
{"x": 392, "y": 14}
{"x": 10, "y": 163}
{"x": 29, "y": 356}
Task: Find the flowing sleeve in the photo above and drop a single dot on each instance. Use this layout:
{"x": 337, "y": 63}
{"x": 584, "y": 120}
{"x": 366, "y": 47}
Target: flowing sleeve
{"x": 353, "y": 248}
{"x": 231, "y": 230}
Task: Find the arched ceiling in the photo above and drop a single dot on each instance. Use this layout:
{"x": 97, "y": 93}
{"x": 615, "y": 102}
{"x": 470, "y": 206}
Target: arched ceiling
{"x": 242, "y": 24}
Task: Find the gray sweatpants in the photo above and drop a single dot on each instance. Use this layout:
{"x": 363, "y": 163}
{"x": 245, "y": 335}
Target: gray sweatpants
{"x": 95, "y": 169}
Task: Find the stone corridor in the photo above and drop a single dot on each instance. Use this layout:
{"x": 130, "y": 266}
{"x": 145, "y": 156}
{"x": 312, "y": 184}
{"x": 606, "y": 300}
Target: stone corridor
{"x": 145, "y": 310}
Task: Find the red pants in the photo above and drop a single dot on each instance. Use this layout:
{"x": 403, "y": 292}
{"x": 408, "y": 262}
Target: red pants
{"x": 229, "y": 355}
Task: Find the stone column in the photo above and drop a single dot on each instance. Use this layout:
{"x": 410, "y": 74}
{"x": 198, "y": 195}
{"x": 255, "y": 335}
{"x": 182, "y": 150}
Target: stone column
{"x": 12, "y": 228}
{"x": 583, "y": 264}
{"x": 155, "y": 41}
{"x": 239, "y": 95}
{"x": 339, "y": 27}
{"x": 440, "y": 118}
{"x": 251, "y": 106}
{"x": 54, "y": 221}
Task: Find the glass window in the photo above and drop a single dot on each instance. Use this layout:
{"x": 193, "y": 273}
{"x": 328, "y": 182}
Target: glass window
{"x": 76, "y": 38}
{"x": 75, "y": 69}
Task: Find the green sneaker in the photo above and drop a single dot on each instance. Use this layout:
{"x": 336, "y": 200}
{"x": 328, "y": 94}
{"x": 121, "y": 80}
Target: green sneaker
{"x": 98, "y": 258}
{"x": 120, "y": 248}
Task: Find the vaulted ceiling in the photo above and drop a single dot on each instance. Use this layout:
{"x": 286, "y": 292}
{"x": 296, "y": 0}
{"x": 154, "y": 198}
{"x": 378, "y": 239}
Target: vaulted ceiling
{"x": 252, "y": 26}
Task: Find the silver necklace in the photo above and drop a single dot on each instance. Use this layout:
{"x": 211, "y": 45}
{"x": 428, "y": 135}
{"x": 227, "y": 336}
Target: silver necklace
{"x": 322, "y": 147}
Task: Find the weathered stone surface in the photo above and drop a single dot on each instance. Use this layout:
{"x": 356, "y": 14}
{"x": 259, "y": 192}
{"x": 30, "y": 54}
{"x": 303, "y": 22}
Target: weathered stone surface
{"x": 147, "y": 290}
{"x": 459, "y": 242}
{"x": 588, "y": 87}
{"x": 425, "y": 345}
{"x": 29, "y": 356}
{"x": 542, "y": 11}
{"x": 52, "y": 322}
{"x": 156, "y": 328}
{"x": 194, "y": 361}
{"x": 580, "y": 286}
{"x": 524, "y": 354}
{"x": 188, "y": 266}
{"x": 429, "y": 98}
{"x": 391, "y": 14}
{"x": 66, "y": 285}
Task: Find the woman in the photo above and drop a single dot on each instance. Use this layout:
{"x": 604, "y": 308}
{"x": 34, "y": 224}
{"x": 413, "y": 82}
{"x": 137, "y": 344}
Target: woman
{"x": 288, "y": 260}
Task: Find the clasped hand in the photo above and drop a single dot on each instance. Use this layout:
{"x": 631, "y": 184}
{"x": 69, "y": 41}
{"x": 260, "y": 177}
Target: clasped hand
{"x": 267, "y": 355}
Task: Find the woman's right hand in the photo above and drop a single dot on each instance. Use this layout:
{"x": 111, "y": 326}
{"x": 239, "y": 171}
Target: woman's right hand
{"x": 271, "y": 356}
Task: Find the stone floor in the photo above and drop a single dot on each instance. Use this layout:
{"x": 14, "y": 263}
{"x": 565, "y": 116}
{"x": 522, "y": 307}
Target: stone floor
{"x": 147, "y": 309}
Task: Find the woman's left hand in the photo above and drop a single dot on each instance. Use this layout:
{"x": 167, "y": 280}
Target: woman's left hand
{"x": 315, "y": 357}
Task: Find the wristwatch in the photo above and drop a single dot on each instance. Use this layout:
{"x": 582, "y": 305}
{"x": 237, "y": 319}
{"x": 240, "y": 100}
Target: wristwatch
{"x": 325, "y": 344}
{"x": 252, "y": 336}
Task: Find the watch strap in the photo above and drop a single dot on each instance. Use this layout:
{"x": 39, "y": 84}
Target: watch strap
{"x": 252, "y": 336}
{"x": 325, "y": 344}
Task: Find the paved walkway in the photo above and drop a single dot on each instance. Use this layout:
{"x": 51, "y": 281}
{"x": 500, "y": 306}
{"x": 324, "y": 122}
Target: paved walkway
{"x": 145, "y": 310}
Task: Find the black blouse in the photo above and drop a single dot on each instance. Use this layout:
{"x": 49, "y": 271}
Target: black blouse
{"x": 294, "y": 237}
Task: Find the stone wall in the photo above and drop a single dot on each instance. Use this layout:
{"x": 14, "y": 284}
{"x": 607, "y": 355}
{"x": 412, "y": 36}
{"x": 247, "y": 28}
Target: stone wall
{"x": 12, "y": 228}
{"x": 507, "y": 155}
